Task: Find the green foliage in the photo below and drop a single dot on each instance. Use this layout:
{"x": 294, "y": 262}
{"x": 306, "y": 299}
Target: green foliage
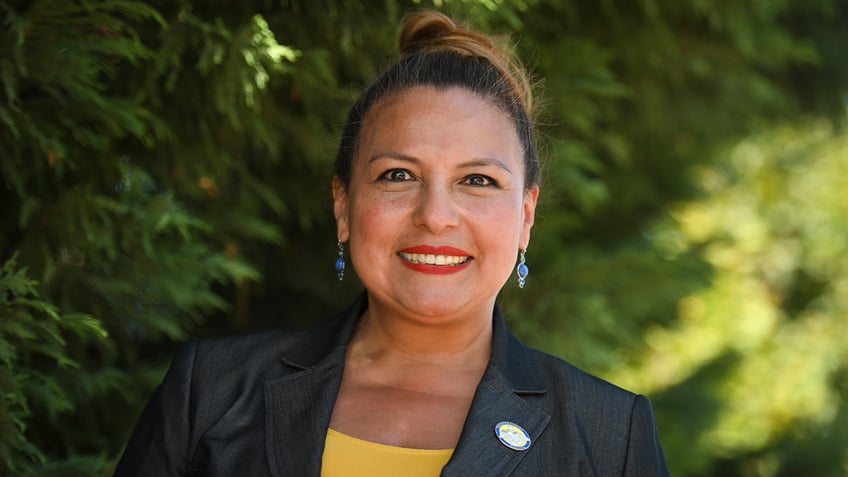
{"x": 33, "y": 348}
{"x": 773, "y": 322}
{"x": 95, "y": 205}
{"x": 40, "y": 46}
{"x": 166, "y": 171}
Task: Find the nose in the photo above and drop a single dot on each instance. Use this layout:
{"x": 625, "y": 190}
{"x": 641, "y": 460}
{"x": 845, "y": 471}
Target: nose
{"x": 437, "y": 209}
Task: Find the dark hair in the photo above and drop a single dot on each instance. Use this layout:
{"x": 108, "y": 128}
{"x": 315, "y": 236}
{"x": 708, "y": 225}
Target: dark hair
{"x": 436, "y": 52}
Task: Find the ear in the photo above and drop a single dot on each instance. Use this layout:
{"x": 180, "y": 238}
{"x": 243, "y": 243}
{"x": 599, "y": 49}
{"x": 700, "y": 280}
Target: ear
{"x": 531, "y": 196}
{"x": 340, "y": 209}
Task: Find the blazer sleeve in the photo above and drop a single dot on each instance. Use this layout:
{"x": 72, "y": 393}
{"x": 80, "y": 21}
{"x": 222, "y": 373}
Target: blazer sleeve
{"x": 159, "y": 444}
{"x": 644, "y": 453}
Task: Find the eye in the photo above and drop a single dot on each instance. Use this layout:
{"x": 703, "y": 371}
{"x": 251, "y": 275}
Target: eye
{"x": 396, "y": 175}
{"x": 479, "y": 180}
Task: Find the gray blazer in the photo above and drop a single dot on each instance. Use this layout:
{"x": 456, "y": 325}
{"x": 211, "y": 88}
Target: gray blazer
{"x": 260, "y": 405}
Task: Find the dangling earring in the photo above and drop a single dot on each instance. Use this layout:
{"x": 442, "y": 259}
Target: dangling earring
{"x": 340, "y": 262}
{"x": 522, "y": 269}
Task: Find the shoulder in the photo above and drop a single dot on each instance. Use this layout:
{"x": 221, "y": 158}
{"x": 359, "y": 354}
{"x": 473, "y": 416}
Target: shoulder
{"x": 257, "y": 357}
{"x": 254, "y": 347}
{"x": 563, "y": 376}
{"x": 607, "y": 419}
{"x": 561, "y": 385}
{"x": 207, "y": 379}
{"x": 602, "y": 426}
{"x": 587, "y": 400}
{"x": 606, "y": 424}
{"x": 246, "y": 361}
{"x": 216, "y": 358}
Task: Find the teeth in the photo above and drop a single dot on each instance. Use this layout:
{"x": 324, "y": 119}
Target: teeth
{"x": 430, "y": 259}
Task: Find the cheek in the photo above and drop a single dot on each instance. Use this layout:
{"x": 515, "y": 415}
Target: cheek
{"x": 504, "y": 215}
{"x": 371, "y": 225}
{"x": 373, "y": 221}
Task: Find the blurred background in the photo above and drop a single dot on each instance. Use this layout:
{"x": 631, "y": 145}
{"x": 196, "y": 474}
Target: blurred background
{"x": 166, "y": 172}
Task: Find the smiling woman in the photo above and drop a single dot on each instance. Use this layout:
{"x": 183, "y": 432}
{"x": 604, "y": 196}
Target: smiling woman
{"x": 435, "y": 170}
{"x": 436, "y": 184}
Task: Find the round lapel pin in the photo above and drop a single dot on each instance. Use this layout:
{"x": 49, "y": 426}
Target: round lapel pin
{"x": 512, "y": 435}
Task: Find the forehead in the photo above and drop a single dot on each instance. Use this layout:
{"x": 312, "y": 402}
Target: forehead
{"x": 432, "y": 120}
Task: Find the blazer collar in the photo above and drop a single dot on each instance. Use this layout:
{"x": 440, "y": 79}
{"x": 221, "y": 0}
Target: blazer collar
{"x": 320, "y": 342}
{"x": 299, "y": 404}
{"x": 514, "y": 359}
{"x": 504, "y": 394}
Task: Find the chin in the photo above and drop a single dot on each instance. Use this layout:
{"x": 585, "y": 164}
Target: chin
{"x": 433, "y": 304}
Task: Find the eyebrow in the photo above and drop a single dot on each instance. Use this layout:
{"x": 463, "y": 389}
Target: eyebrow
{"x": 477, "y": 162}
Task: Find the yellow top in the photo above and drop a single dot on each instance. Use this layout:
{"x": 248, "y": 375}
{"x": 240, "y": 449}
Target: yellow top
{"x": 351, "y": 457}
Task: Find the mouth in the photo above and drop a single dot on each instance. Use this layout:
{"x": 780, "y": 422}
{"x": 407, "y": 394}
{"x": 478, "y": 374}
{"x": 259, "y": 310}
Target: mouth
{"x": 433, "y": 259}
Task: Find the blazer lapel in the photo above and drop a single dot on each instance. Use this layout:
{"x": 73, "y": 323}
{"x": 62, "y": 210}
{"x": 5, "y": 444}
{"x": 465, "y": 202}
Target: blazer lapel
{"x": 297, "y": 414}
{"x": 504, "y": 394}
{"x": 479, "y": 452}
{"x": 298, "y": 405}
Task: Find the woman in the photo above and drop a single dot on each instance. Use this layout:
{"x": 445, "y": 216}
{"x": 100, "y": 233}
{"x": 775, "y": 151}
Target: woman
{"x": 437, "y": 179}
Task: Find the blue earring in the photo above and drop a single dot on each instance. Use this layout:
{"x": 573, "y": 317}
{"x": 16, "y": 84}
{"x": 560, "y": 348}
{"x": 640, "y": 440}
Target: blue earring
{"x": 522, "y": 269}
{"x": 340, "y": 262}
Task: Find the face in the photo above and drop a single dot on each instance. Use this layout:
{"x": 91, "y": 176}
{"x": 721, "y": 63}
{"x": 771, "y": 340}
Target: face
{"x": 436, "y": 209}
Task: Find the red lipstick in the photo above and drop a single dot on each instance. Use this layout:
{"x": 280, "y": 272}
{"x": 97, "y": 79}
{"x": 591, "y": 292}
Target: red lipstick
{"x": 443, "y": 250}
{"x": 432, "y": 268}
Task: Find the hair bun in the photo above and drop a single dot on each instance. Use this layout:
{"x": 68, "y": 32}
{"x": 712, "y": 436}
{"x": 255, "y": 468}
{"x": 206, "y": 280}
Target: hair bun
{"x": 434, "y": 31}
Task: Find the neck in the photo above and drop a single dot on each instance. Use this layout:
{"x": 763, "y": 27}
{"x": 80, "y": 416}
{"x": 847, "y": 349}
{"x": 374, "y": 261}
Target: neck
{"x": 384, "y": 332}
